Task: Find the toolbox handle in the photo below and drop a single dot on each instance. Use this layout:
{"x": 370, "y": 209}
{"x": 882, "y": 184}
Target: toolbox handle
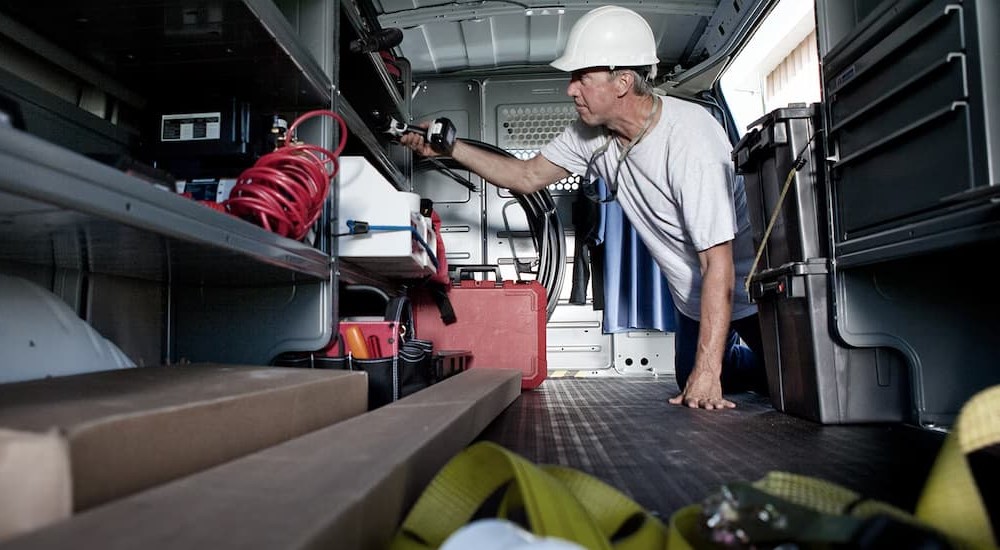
{"x": 495, "y": 270}
{"x": 399, "y": 310}
{"x": 765, "y": 289}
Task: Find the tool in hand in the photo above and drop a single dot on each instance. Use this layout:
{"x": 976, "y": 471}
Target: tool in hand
{"x": 440, "y": 135}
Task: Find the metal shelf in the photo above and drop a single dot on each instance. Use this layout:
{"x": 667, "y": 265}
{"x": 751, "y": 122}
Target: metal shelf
{"x": 359, "y": 129}
{"x": 162, "y": 50}
{"x": 936, "y": 232}
{"x": 57, "y": 207}
{"x": 52, "y": 198}
{"x": 351, "y": 273}
{"x": 271, "y": 18}
{"x": 353, "y": 16}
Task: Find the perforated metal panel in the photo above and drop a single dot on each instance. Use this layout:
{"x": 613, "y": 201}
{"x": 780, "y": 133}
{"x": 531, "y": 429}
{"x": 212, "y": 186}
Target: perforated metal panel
{"x": 532, "y": 126}
{"x": 524, "y": 129}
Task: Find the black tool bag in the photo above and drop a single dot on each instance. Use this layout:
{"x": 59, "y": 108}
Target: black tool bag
{"x": 389, "y": 378}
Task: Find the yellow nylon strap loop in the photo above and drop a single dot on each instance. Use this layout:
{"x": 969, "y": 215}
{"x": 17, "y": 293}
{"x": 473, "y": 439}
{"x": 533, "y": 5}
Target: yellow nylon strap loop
{"x": 813, "y": 493}
{"x": 455, "y": 493}
{"x": 403, "y": 543}
{"x": 610, "y": 508}
{"x": 685, "y": 532}
{"x": 470, "y": 477}
{"x": 950, "y": 500}
{"x": 979, "y": 421}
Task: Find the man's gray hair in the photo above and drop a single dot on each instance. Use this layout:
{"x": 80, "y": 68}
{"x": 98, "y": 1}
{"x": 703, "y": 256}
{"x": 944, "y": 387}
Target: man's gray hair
{"x": 641, "y": 84}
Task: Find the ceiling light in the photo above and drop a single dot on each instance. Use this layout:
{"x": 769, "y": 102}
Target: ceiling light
{"x": 545, "y": 10}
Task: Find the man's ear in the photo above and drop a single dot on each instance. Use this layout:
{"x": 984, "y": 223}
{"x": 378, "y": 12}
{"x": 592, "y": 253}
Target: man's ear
{"x": 623, "y": 83}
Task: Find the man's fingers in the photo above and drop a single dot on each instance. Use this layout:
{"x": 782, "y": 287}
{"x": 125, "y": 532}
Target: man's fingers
{"x": 412, "y": 141}
{"x": 706, "y": 403}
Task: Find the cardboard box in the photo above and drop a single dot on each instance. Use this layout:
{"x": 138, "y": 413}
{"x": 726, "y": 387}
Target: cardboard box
{"x": 35, "y": 483}
{"x": 345, "y": 486}
{"x": 131, "y": 429}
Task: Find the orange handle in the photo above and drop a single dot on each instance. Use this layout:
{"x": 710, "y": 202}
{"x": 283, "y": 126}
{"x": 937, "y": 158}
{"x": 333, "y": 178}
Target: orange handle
{"x": 356, "y": 342}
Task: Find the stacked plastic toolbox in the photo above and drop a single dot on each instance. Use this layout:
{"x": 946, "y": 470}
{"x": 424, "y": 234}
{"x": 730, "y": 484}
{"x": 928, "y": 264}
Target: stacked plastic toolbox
{"x": 810, "y": 373}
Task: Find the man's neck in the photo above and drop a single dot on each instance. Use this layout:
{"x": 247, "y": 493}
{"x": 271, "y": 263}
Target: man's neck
{"x": 638, "y": 118}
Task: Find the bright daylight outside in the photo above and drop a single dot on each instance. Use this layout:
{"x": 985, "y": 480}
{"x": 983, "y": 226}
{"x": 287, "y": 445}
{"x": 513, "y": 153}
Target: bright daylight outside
{"x": 778, "y": 67}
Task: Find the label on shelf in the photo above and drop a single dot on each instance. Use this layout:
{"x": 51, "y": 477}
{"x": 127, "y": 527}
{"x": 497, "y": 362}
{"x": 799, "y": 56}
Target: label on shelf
{"x": 190, "y": 126}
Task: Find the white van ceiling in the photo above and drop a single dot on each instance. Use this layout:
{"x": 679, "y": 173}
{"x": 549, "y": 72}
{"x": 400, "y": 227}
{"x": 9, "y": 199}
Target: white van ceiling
{"x": 486, "y": 35}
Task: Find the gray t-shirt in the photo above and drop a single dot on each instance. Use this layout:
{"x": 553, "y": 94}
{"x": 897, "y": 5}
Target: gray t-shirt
{"x": 679, "y": 190}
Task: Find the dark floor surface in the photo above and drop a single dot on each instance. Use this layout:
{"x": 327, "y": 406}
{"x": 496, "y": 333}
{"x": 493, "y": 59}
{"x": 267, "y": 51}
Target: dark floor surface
{"x": 624, "y": 432}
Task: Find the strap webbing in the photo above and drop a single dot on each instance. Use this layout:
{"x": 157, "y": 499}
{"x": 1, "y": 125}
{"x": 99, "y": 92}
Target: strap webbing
{"x": 950, "y": 501}
{"x": 557, "y": 502}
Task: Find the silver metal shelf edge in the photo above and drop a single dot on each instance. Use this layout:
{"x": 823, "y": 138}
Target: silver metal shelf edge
{"x": 354, "y": 17}
{"x": 31, "y": 168}
{"x": 274, "y": 21}
{"x": 390, "y": 86}
{"x": 361, "y": 131}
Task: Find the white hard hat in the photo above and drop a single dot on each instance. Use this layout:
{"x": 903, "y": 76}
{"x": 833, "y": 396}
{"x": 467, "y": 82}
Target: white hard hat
{"x": 609, "y": 36}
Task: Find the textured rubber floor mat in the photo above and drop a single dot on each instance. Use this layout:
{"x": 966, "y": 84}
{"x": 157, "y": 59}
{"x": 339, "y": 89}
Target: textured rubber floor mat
{"x": 623, "y": 431}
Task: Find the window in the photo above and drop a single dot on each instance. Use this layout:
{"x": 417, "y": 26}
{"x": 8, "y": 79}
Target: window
{"x": 778, "y": 67}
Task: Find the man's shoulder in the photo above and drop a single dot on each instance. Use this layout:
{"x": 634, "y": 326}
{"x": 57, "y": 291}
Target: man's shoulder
{"x": 692, "y": 125}
{"x": 570, "y": 148}
{"x": 580, "y": 135}
{"x": 686, "y": 109}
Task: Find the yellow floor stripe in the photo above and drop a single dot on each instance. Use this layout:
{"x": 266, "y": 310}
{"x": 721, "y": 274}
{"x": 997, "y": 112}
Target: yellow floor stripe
{"x": 566, "y": 373}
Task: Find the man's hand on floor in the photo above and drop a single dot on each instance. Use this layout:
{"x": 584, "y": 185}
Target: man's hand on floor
{"x": 703, "y": 391}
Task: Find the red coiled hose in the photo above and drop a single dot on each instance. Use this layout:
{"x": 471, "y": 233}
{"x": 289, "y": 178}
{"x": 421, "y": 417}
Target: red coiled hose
{"x": 284, "y": 191}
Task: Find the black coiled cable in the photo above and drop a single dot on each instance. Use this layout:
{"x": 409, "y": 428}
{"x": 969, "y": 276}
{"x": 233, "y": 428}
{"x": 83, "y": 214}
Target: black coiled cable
{"x": 546, "y": 228}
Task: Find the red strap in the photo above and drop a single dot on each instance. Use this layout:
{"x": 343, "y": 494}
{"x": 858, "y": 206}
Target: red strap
{"x": 442, "y": 271}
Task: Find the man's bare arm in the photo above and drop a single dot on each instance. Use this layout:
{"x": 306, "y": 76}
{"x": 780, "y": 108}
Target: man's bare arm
{"x": 520, "y": 176}
{"x": 704, "y": 386}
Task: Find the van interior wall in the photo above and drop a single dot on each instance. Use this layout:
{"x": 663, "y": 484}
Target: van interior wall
{"x": 520, "y": 115}
{"x": 933, "y": 310}
{"x": 130, "y": 312}
{"x": 66, "y": 110}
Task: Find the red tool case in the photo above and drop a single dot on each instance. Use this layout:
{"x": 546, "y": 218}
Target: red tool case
{"x": 501, "y": 322}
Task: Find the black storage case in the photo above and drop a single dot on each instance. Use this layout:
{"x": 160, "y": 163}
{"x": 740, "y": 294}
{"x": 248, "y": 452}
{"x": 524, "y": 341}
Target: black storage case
{"x": 913, "y": 132}
{"x": 764, "y": 157}
{"x": 810, "y": 373}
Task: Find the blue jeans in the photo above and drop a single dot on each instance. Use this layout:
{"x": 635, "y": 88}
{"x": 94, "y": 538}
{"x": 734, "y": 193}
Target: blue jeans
{"x": 742, "y": 365}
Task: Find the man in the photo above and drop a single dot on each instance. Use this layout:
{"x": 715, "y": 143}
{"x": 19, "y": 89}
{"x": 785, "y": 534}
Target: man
{"x": 667, "y": 162}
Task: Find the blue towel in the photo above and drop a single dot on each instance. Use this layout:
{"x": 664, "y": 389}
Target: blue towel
{"x": 636, "y": 294}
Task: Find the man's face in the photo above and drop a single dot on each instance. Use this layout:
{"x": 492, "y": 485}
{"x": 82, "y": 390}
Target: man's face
{"x": 594, "y": 93}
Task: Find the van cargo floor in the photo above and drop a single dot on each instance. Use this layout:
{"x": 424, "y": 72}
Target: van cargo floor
{"x": 624, "y": 432}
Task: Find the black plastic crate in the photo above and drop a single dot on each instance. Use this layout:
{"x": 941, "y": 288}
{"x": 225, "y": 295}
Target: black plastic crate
{"x": 766, "y": 157}
{"x": 811, "y": 374}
